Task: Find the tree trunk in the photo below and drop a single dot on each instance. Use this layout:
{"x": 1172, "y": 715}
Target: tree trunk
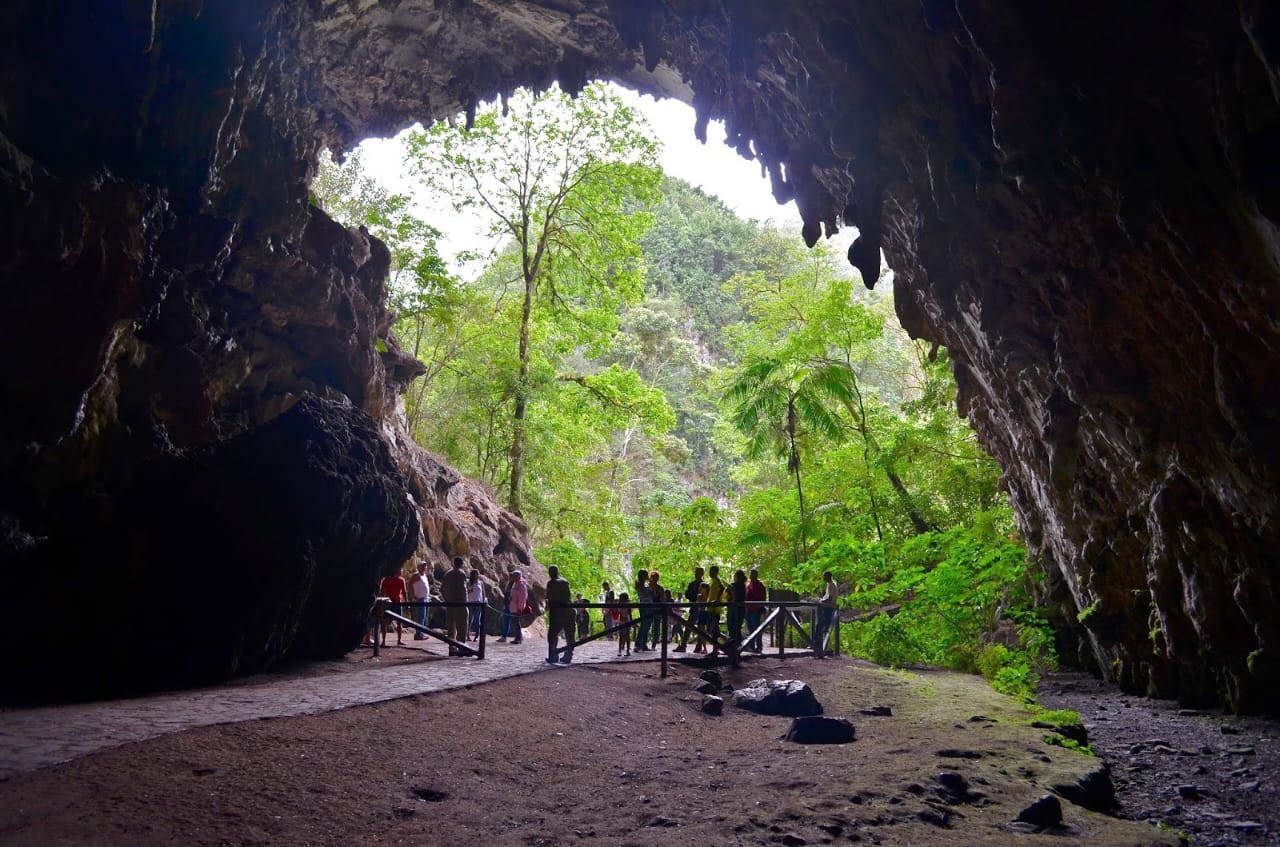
{"x": 522, "y": 403}
{"x": 793, "y": 465}
{"x": 917, "y": 518}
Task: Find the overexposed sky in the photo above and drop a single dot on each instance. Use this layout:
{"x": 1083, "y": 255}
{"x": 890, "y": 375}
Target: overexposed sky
{"x": 714, "y": 167}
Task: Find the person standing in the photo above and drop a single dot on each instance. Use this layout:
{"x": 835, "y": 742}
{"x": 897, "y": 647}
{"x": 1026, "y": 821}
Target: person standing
{"x": 826, "y": 614}
{"x": 756, "y": 594}
{"x": 624, "y": 624}
{"x": 704, "y": 617}
{"x": 607, "y": 615}
{"x": 644, "y": 598}
{"x": 393, "y": 588}
{"x": 691, "y": 592}
{"x": 453, "y": 588}
{"x": 559, "y": 616}
{"x": 659, "y": 595}
{"x": 506, "y": 607}
{"x": 584, "y": 618}
{"x": 737, "y": 597}
{"x": 715, "y": 594}
{"x": 517, "y": 602}
{"x": 420, "y": 592}
{"x": 475, "y": 594}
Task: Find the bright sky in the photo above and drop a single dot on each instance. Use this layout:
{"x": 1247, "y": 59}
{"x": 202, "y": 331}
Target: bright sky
{"x": 714, "y": 167}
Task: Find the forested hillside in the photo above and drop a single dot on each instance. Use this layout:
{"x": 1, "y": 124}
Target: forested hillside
{"x": 652, "y": 382}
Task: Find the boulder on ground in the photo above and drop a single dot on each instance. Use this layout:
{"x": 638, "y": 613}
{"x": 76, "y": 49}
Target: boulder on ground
{"x": 816, "y": 729}
{"x": 1043, "y": 813}
{"x": 704, "y": 687}
{"x": 788, "y": 697}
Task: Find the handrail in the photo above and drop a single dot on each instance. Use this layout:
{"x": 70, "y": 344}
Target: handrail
{"x": 781, "y": 612}
{"x": 464, "y": 649}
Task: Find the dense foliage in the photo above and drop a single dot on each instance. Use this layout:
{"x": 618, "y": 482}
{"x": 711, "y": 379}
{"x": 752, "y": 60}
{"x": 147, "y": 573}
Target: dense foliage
{"x": 700, "y": 389}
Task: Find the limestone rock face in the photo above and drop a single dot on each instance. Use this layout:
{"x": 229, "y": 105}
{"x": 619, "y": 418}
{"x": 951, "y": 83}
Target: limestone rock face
{"x": 199, "y": 381}
{"x": 1080, "y": 201}
{"x": 459, "y": 517}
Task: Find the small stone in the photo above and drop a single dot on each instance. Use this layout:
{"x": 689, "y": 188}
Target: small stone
{"x": 1228, "y": 729}
{"x": 1244, "y": 826}
{"x": 1192, "y": 713}
{"x": 953, "y": 782}
{"x": 662, "y": 820}
{"x": 791, "y": 839}
{"x": 1023, "y": 826}
{"x": 981, "y": 719}
{"x": 914, "y": 788}
{"x": 705, "y": 687}
{"x": 430, "y": 795}
{"x": 1163, "y": 748}
{"x": 877, "y": 712}
{"x": 712, "y": 677}
{"x": 938, "y": 818}
{"x": 1189, "y": 792}
{"x": 1239, "y": 751}
{"x": 831, "y": 828}
{"x": 1251, "y": 786}
{"x": 1043, "y": 813}
{"x": 952, "y": 753}
{"x": 712, "y": 705}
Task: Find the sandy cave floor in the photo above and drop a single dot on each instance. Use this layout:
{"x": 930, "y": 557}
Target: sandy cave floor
{"x": 604, "y": 754}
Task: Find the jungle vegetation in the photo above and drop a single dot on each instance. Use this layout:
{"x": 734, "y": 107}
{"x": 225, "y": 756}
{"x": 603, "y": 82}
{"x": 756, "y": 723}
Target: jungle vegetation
{"x": 651, "y": 381}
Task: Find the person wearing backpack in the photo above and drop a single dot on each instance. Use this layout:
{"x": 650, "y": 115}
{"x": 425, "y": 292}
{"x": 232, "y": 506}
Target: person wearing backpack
{"x": 691, "y": 595}
{"x": 644, "y": 597}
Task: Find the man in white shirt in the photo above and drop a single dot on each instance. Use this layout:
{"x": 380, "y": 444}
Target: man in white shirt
{"x": 420, "y": 592}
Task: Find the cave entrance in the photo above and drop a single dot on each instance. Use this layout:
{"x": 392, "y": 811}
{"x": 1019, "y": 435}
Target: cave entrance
{"x": 678, "y": 384}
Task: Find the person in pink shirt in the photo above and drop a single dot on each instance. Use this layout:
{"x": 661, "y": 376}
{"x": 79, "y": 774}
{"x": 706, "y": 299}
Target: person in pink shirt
{"x": 517, "y": 602}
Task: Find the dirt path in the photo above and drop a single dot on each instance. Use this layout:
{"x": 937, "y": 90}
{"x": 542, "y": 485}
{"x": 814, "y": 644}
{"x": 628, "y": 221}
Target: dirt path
{"x": 588, "y": 754}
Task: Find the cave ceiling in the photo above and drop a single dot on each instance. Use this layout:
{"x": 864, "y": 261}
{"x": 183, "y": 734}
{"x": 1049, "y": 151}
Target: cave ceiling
{"x": 1080, "y": 201}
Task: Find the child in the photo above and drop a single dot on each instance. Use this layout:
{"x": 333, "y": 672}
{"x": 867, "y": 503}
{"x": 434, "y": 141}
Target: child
{"x": 624, "y": 624}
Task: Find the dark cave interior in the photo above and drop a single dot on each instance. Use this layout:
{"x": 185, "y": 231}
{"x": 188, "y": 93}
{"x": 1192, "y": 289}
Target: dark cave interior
{"x": 1081, "y": 202}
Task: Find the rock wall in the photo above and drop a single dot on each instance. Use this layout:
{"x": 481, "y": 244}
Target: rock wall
{"x": 200, "y": 466}
{"x": 1080, "y": 201}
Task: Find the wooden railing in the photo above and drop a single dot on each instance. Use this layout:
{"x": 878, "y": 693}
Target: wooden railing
{"x": 385, "y": 614}
{"x": 780, "y": 618}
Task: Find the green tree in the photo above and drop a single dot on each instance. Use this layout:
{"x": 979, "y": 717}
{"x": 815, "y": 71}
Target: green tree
{"x": 568, "y": 181}
{"x": 779, "y": 404}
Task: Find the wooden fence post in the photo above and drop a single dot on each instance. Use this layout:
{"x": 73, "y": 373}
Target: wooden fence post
{"x": 665, "y": 609}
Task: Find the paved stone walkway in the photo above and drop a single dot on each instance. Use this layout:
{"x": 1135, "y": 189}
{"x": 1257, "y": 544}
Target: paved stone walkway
{"x": 35, "y": 738}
